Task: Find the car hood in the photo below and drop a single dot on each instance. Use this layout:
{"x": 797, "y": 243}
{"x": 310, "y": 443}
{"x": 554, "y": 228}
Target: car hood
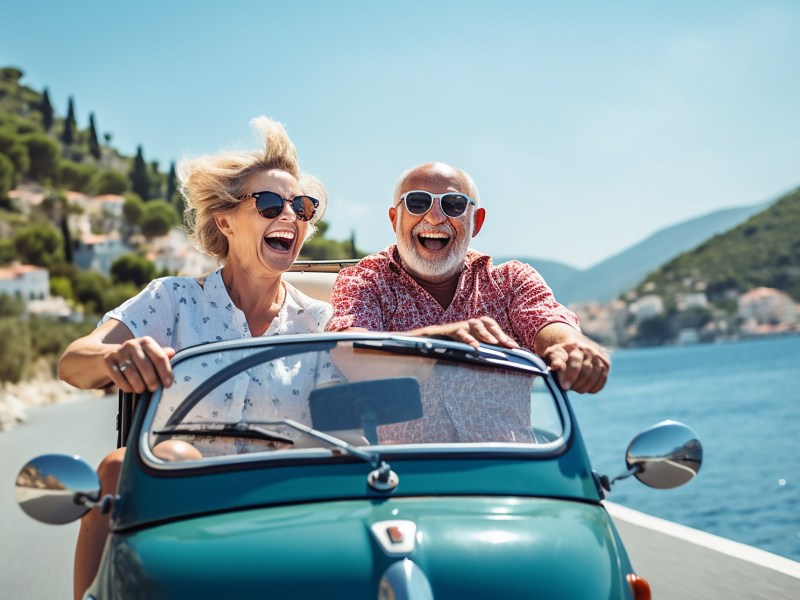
{"x": 467, "y": 547}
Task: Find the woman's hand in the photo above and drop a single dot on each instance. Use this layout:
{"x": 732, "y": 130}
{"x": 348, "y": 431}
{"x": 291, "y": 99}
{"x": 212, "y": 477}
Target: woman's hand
{"x": 139, "y": 364}
{"x": 110, "y": 354}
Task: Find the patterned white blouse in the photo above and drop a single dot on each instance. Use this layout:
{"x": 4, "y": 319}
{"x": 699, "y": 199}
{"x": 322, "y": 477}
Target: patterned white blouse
{"x": 179, "y": 312}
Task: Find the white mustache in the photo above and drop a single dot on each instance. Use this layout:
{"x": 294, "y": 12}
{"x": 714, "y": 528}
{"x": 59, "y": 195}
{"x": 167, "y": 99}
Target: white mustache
{"x": 427, "y": 228}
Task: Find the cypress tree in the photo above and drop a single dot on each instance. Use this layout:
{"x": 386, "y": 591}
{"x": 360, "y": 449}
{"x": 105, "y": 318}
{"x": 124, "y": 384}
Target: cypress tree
{"x": 46, "y": 108}
{"x": 140, "y": 181}
{"x": 68, "y": 136}
{"x": 353, "y": 250}
{"x": 67, "y": 236}
{"x": 94, "y": 145}
{"x": 171, "y": 182}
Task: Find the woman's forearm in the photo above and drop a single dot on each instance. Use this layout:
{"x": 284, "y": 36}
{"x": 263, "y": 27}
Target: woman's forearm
{"x": 83, "y": 363}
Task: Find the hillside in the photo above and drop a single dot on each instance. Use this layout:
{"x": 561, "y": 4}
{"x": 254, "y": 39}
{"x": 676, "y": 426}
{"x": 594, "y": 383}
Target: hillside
{"x": 762, "y": 251}
{"x": 98, "y": 224}
{"x": 558, "y": 275}
{"x": 608, "y": 279}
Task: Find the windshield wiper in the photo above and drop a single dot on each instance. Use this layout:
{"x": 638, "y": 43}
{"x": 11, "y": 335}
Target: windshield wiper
{"x": 253, "y": 430}
{"x": 441, "y": 348}
{"x": 381, "y": 479}
{"x": 240, "y": 430}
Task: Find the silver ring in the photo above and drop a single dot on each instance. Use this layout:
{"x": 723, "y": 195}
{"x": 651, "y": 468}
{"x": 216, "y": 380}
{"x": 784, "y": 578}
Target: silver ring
{"x": 123, "y": 365}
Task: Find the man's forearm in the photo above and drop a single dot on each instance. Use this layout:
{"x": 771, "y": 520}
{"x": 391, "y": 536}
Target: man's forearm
{"x": 555, "y": 333}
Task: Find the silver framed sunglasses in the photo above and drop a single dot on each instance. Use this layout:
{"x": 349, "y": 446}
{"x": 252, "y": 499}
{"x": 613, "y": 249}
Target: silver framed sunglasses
{"x": 418, "y": 202}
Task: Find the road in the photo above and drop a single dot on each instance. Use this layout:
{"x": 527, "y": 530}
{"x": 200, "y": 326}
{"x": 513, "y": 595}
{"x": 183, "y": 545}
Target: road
{"x": 36, "y": 559}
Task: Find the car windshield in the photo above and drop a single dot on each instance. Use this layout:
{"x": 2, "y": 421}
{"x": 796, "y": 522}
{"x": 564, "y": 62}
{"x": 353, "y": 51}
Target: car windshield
{"x": 272, "y": 397}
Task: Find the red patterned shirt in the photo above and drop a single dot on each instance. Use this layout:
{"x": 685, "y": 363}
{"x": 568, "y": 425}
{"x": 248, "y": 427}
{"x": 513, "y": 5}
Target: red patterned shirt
{"x": 379, "y": 295}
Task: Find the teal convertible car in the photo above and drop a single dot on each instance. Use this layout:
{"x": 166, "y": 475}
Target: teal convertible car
{"x": 358, "y": 466}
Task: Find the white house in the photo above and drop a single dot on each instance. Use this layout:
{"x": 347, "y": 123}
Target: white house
{"x": 647, "y": 307}
{"x": 767, "y": 306}
{"x": 96, "y": 252}
{"x": 28, "y": 282}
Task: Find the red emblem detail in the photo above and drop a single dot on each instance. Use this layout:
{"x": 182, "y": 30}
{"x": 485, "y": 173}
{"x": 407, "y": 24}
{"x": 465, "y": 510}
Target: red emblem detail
{"x": 395, "y": 534}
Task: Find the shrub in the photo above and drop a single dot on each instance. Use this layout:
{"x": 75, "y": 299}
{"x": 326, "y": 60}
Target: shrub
{"x": 15, "y": 350}
{"x": 108, "y": 181}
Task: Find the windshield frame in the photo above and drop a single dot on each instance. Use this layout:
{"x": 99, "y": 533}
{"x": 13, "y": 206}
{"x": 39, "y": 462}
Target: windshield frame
{"x": 515, "y": 360}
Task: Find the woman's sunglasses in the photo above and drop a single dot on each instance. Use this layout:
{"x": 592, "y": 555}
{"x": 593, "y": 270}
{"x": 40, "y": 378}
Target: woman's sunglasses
{"x": 418, "y": 202}
{"x": 270, "y": 205}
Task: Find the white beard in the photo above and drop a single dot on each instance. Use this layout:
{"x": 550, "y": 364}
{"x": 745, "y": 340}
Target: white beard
{"x": 434, "y": 270}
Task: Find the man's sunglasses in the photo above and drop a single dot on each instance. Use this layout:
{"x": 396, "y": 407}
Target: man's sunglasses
{"x": 270, "y": 205}
{"x": 418, "y": 202}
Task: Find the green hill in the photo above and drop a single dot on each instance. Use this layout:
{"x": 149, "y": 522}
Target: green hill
{"x": 762, "y": 251}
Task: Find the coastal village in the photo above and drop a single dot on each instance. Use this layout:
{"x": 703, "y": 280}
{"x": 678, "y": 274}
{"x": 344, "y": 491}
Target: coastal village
{"x": 83, "y": 228}
{"x": 759, "y": 311}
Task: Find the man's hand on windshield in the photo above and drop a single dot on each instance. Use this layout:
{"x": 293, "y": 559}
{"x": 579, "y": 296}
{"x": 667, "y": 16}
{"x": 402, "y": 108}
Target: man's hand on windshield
{"x": 472, "y": 331}
{"x": 581, "y": 364}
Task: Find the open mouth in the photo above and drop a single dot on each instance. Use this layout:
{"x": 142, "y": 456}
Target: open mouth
{"x": 279, "y": 240}
{"x": 433, "y": 240}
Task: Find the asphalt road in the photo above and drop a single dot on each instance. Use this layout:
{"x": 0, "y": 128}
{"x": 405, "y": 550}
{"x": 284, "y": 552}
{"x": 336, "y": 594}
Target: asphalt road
{"x": 36, "y": 559}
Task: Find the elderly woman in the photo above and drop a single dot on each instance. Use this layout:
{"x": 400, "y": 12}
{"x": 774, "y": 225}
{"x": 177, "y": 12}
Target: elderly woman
{"x": 252, "y": 211}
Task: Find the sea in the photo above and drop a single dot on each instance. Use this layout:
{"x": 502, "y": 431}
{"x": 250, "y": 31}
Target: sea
{"x": 742, "y": 399}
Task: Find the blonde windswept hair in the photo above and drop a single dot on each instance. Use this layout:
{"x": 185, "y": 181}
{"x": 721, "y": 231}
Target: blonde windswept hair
{"x": 211, "y": 184}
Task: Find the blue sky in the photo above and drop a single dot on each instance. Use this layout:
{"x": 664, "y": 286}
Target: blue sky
{"x": 586, "y": 125}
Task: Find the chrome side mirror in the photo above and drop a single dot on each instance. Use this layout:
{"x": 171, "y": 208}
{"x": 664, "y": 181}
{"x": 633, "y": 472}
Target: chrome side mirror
{"x": 665, "y": 456}
{"x": 57, "y": 488}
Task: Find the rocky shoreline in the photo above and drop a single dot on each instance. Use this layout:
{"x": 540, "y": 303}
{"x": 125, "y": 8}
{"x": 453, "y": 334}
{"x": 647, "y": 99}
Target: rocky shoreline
{"x": 17, "y": 398}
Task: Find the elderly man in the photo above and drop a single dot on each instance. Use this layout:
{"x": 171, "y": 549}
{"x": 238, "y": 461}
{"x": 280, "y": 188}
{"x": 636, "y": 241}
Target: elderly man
{"x": 431, "y": 283}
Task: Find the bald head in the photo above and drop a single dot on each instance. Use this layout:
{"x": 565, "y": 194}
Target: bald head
{"x": 437, "y": 172}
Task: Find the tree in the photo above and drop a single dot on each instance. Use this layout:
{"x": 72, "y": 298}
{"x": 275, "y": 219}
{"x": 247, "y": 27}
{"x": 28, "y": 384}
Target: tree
{"x": 46, "y": 108}
{"x": 108, "y": 181}
{"x": 11, "y": 75}
{"x": 171, "y": 188}
{"x": 39, "y": 243}
{"x": 62, "y": 286}
{"x": 654, "y": 331}
{"x": 115, "y": 295}
{"x": 11, "y": 306}
{"x": 76, "y": 176}
{"x": 8, "y": 177}
{"x": 44, "y": 153}
{"x": 66, "y": 235}
{"x": 14, "y": 348}
{"x": 94, "y": 145}
{"x": 140, "y": 180}
{"x": 133, "y": 209}
{"x": 158, "y": 218}
{"x": 353, "y": 249}
{"x": 89, "y": 288}
{"x": 68, "y": 135}
{"x": 7, "y": 252}
{"x": 11, "y": 145}
{"x": 133, "y": 268}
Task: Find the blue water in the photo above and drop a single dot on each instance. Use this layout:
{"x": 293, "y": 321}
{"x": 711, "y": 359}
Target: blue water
{"x": 743, "y": 401}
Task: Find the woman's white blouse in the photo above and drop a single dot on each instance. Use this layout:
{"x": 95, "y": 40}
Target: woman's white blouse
{"x": 178, "y": 312}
